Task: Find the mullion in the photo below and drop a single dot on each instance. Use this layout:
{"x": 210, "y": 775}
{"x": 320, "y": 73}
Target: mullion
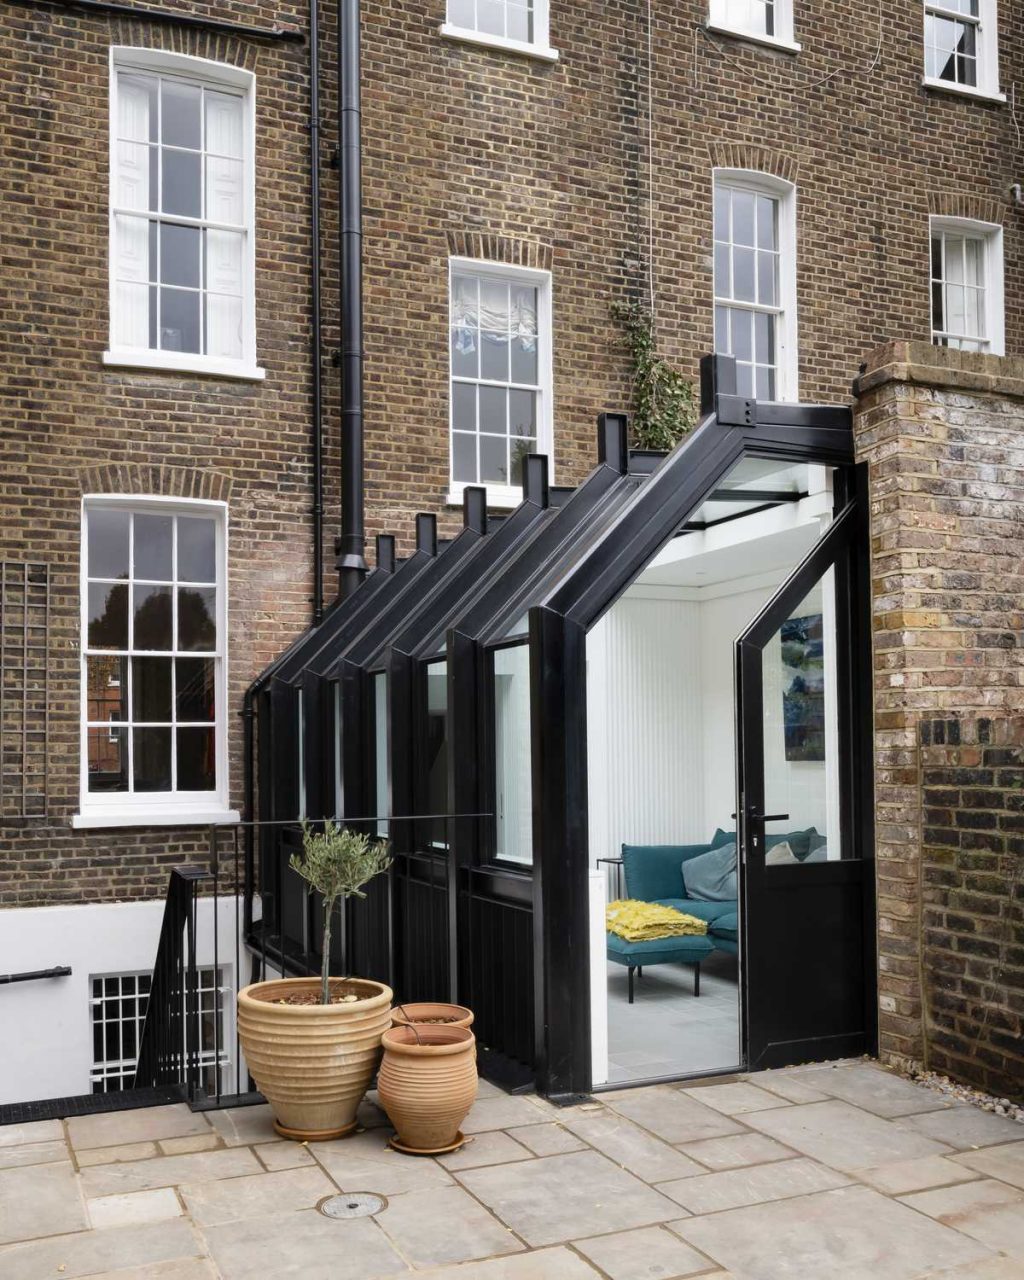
{"x": 174, "y": 643}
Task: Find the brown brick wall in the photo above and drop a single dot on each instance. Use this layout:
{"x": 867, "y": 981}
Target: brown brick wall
{"x": 941, "y": 433}
{"x": 972, "y": 792}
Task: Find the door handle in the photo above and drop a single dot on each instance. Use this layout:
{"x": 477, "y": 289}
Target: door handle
{"x": 768, "y": 817}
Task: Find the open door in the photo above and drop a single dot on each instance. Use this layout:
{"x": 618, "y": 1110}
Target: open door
{"x": 807, "y": 894}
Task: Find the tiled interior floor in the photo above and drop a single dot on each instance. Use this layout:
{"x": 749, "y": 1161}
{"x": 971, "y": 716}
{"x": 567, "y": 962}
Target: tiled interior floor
{"x": 667, "y": 1031}
{"x": 836, "y": 1172}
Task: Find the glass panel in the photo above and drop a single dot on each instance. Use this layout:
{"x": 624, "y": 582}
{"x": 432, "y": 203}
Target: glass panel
{"x": 195, "y": 688}
{"x": 108, "y": 759}
{"x": 464, "y": 458}
{"x": 766, "y": 293}
{"x": 179, "y": 321}
{"x": 801, "y": 740}
{"x": 107, "y": 688}
{"x": 518, "y": 450}
{"x": 462, "y": 13}
{"x": 743, "y": 275}
{"x": 197, "y": 549}
{"x": 181, "y": 176}
{"x": 179, "y": 255}
{"x": 196, "y": 760}
{"x": 108, "y": 543}
{"x": 522, "y": 413}
{"x": 153, "y": 539}
{"x": 465, "y": 352}
{"x": 493, "y": 410}
{"x": 491, "y": 17}
{"x": 108, "y": 616}
{"x": 463, "y": 407}
{"x": 494, "y": 355}
{"x": 380, "y": 750}
{"x": 151, "y": 764}
{"x": 151, "y": 690}
{"x": 721, "y": 213}
{"x": 181, "y": 114}
{"x": 513, "y": 840}
{"x": 743, "y": 217}
{"x": 197, "y": 618}
{"x": 766, "y": 233}
{"x": 524, "y": 359}
{"x": 494, "y": 459}
{"x": 152, "y": 619}
{"x": 520, "y": 26}
{"x": 437, "y": 749}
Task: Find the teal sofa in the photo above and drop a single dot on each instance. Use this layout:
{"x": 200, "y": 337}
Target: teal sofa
{"x": 653, "y": 873}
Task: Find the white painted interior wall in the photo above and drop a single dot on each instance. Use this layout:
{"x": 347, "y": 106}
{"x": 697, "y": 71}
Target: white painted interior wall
{"x": 46, "y": 1025}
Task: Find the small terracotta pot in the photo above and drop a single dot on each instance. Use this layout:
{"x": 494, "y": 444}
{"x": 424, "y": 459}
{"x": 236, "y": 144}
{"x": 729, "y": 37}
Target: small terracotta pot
{"x": 427, "y": 1083}
{"x": 448, "y": 1015}
{"x": 313, "y": 1062}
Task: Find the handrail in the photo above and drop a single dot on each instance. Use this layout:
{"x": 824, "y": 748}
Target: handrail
{"x": 58, "y": 971}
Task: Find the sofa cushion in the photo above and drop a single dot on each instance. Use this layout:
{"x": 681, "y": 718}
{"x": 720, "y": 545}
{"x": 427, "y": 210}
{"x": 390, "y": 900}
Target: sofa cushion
{"x": 652, "y": 870}
{"x": 801, "y": 842}
{"x": 688, "y": 949}
{"x": 726, "y": 926}
{"x": 696, "y": 907}
{"x": 711, "y": 877}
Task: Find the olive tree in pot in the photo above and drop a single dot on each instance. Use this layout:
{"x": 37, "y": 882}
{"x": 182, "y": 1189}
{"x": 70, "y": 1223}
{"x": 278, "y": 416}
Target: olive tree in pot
{"x": 313, "y": 1044}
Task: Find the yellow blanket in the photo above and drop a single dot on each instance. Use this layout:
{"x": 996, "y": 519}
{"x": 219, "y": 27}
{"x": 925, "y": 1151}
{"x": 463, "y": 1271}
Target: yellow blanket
{"x": 641, "y": 921}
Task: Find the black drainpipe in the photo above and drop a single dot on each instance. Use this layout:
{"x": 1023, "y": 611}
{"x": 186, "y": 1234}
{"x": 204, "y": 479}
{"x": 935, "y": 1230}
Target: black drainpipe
{"x": 350, "y": 562}
{"x": 314, "y": 199}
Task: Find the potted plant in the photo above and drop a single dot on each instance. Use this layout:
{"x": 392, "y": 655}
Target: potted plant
{"x": 313, "y": 1044}
{"x": 426, "y": 1084}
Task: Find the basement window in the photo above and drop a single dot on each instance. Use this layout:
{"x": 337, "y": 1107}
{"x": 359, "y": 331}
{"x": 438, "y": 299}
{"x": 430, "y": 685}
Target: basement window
{"x": 967, "y": 285}
{"x": 154, "y": 719}
{"x": 515, "y": 26}
{"x": 961, "y": 47}
{"x": 764, "y": 21}
{"x": 181, "y": 215}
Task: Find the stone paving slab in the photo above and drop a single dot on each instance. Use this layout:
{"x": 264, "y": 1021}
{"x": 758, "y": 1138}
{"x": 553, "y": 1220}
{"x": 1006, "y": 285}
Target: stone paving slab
{"x": 570, "y": 1197}
{"x": 849, "y": 1233}
{"x": 1005, "y": 1163}
{"x": 881, "y": 1092}
{"x": 735, "y": 1099}
{"x": 632, "y": 1147}
{"x": 713, "y": 1192}
{"x": 964, "y": 1127}
{"x": 144, "y": 1124}
{"x": 213, "y": 1203}
{"x": 13, "y": 1135}
{"x": 302, "y": 1246}
{"x": 115, "y": 1155}
{"x": 904, "y": 1176}
{"x": 445, "y": 1224}
{"x": 490, "y": 1147}
{"x": 366, "y": 1163}
{"x": 989, "y": 1211}
{"x": 501, "y": 1113}
{"x": 843, "y": 1136}
{"x": 42, "y": 1200}
{"x": 241, "y": 1126}
{"x": 541, "y": 1264}
{"x": 33, "y": 1153}
{"x": 168, "y": 1171}
{"x": 186, "y": 1269}
{"x": 647, "y": 1253}
{"x": 547, "y": 1139}
{"x": 134, "y": 1208}
{"x": 735, "y": 1152}
{"x": 88, "y": 1252}
{"x": 670, "y": 1114}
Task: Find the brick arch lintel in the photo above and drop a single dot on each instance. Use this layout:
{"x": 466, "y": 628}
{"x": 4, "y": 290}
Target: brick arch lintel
{"x": 956, "y": 204}
{"x": 495, "y": 248}
{"x": 743, "y": 155}
{"x": 143, "y": 480}
{"x": 197, "y": 44}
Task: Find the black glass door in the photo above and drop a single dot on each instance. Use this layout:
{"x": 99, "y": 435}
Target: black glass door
{"x": 806, "y": 887}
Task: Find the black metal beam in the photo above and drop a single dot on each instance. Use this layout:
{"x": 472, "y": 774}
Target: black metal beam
{"x": 32, "y": 975}
{"x": 172, "y": 17}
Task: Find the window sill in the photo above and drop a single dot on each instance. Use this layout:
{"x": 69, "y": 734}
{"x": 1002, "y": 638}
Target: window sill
{"x": 498, "y": 495}
{"x": 770, "y": 42}
{"x": 542, "y": 53}
{"x": 962, "y": 90}
{"x": 175, "y": 362}
{"x": 155, "y": 818}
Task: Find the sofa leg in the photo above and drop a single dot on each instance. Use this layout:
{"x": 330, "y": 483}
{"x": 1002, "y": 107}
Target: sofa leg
{"x": 631, "y": 971}
{"x": 639, "y": 971}
{"x": 696, "y": 979}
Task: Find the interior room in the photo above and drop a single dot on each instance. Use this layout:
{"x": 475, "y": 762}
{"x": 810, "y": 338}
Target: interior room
{"x": 661, "y": 725}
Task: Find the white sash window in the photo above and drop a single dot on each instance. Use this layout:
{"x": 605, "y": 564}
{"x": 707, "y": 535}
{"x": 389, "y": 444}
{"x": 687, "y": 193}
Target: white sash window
{"x": 181, "y": 215}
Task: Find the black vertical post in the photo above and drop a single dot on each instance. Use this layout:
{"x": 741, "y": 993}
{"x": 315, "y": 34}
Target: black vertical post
{"x": 351, "y": 563}
{"x": 561, "y": 899}
{"x": 717, "y": 377}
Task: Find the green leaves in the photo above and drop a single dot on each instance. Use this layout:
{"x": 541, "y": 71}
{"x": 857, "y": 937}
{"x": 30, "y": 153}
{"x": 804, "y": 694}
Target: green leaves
{"x": 663, "y": 408}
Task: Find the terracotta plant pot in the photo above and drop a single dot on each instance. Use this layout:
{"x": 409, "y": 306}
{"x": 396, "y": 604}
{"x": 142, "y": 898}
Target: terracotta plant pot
{"x": 427, "y": 1084}
{"x": 313, "y": 1062}
{"x": 449, "y": 1015}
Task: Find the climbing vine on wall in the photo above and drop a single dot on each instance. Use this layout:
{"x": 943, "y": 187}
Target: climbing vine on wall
{"x": 664, "y": 408}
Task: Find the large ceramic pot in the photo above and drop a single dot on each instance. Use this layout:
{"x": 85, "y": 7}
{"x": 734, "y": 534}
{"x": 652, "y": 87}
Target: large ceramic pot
{"x": 313, "y": 1062}
{"x": 427, "y": 1083}
{"x": 451, "y": 1015}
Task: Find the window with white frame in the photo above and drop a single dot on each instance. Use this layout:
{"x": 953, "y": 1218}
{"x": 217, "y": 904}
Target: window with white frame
{"x": 766, "y": 20}
{"x": 755, "y": 281}
{"x": 153, "y": 680}
{"x": 118, "y": 1006}
{"x": 518, "y": 25}
{"x": 961, "y": 45}
{"x": 967, "y": 285}
{"x": 181, "y": 214}
{"x": 500, "y": 322}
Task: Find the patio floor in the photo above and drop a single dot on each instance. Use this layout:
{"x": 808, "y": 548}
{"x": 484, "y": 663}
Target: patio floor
{"x": 811, "y": 1173}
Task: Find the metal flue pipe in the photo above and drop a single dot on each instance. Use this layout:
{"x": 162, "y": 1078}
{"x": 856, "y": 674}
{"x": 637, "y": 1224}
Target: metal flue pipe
{"x": 351, "y": 561}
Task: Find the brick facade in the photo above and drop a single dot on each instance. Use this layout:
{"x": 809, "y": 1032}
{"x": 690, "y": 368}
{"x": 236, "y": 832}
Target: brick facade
{"x": 941, "y": 434}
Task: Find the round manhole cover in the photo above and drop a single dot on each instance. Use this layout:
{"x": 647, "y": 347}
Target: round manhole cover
{"x": 358, "y": 1204}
